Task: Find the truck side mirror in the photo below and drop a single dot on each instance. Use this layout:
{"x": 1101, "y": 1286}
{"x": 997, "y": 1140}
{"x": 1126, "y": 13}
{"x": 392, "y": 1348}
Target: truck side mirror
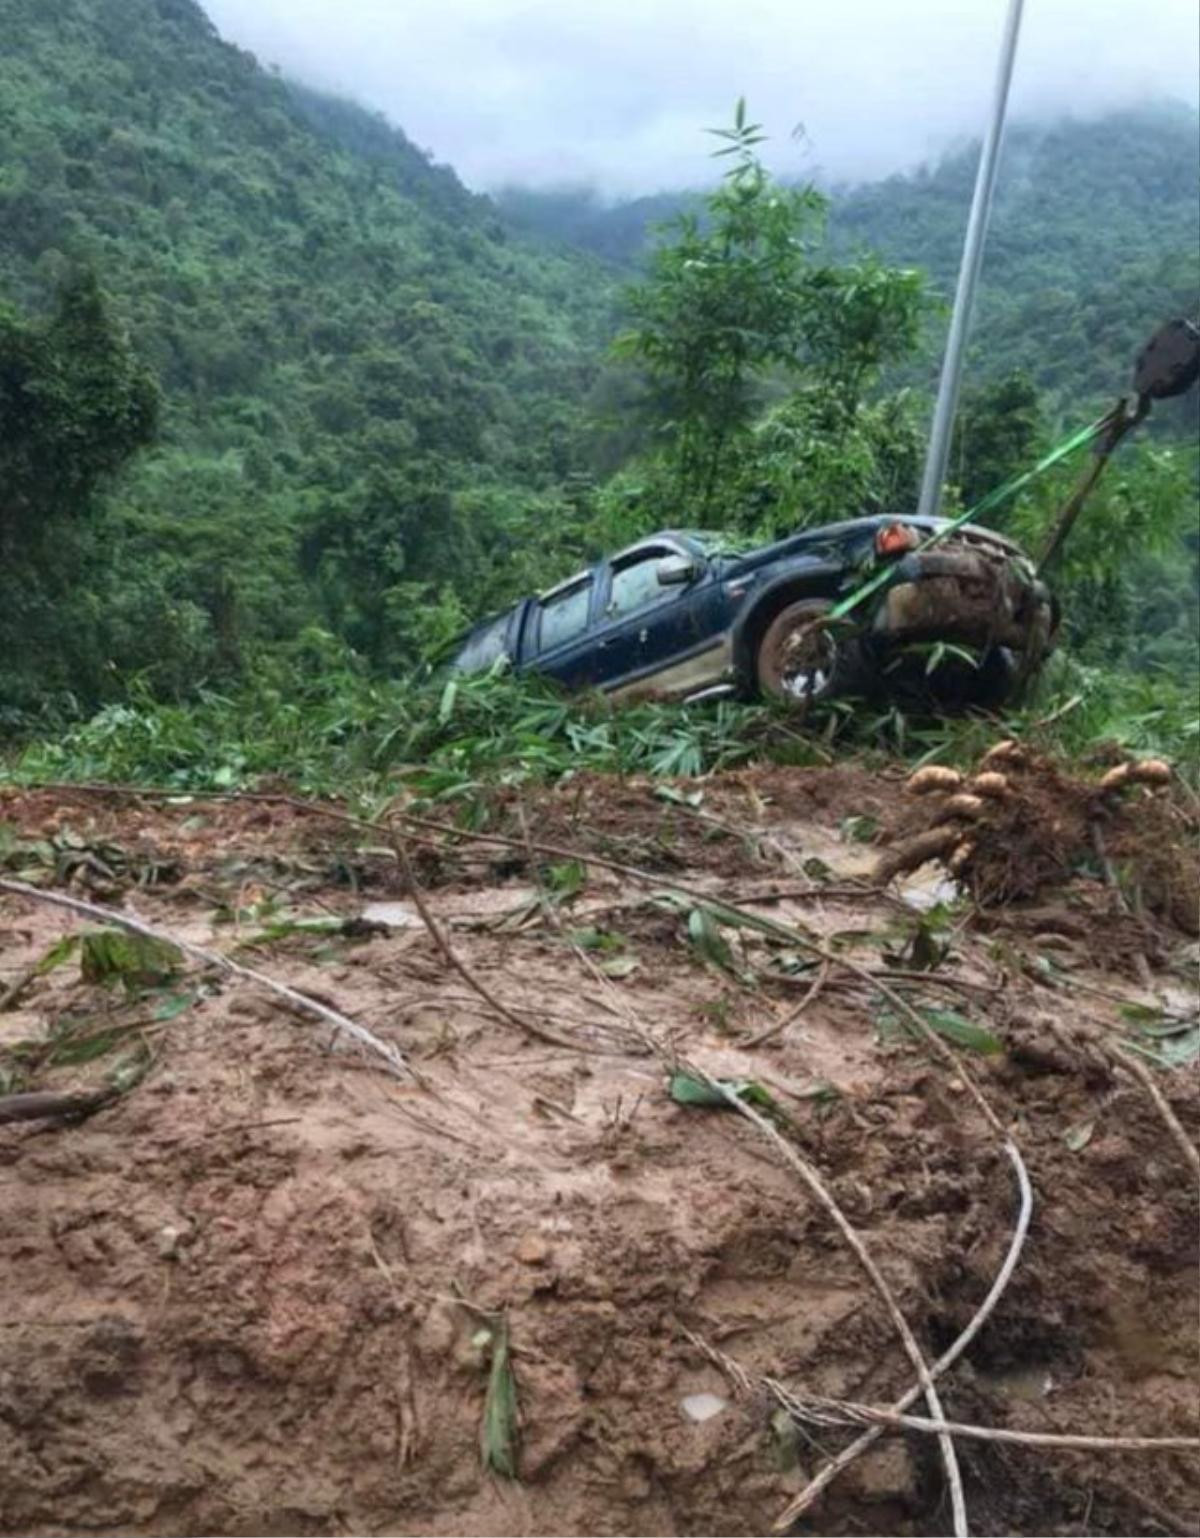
{"x": 677, "y": 570}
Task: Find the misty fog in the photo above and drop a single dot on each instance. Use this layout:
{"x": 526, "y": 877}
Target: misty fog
{"x": 617, "y": 93}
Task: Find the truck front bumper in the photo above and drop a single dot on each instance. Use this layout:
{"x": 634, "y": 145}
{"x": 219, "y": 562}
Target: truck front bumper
{"x": 970, "y": 597}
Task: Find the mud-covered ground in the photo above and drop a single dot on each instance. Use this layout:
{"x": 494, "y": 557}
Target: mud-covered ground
{"x": 253, "y": 1293}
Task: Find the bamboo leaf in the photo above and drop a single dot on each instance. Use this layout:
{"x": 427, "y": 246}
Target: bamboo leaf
{"x": 687, "y": 1090}
{"x": 708, "y": 941}
{"x": 498, "y": 1438}
{"x": 173, "y": 1006}
{"x": 954, "y": 1027}
{"x": 62, "y": 950}
{"x": 111, "y": 955}
{"x": 446, "y": 705}
{"x": 567, "y": 880}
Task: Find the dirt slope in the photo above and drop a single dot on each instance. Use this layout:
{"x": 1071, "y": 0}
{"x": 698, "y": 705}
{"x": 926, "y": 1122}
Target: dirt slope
{"x": 250, "y": 1294}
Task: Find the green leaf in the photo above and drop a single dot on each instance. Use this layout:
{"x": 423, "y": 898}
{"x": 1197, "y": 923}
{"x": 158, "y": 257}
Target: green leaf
{"x": 62, "y": 950}
{"x": 954, "y": 1027}
{"x": 446, "y": 705}
{"x": 731, "y": 918}
{"x": 279, "y": 929}
{"x": 129, "y": 1071}
{"x": 619, "y": 966}
{"x": 925, "y": 951}
{"x": 1178, "y": 1050}
{"x": 595, "y": 939}
{"x": 706, "y": 938}
{"x": 567, "y": 880}
{"x": 498, "y": 1438}
{"x": 1080, "y": 1135}
{"x": 686, "y": 1090}
{"x": 694, "y": 799}
{"x": 137, "y": 961}
{"x": 72, "y": 1051}
{"x": 858, "y": 828}
{"x": 1140, "y": 1014}
{"x": 173, "y": 1006}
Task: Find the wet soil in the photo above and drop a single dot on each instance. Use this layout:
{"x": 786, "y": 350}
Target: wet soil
{"x": 252, "y": 1294}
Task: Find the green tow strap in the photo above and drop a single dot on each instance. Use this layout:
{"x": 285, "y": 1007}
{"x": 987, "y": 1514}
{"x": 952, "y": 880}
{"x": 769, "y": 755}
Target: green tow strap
{"x": 984, "y": 505}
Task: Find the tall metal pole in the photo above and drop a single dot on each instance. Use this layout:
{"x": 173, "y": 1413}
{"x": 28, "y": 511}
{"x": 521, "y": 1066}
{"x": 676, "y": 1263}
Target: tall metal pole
{"x": 968, "y": 275}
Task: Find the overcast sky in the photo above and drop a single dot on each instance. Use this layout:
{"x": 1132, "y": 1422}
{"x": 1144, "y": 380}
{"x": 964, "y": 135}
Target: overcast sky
{"x": 617, "y": 92}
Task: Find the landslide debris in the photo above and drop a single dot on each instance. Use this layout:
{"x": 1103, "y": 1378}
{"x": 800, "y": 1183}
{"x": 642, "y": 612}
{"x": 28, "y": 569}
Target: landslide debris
{"x": 261, "y": 1288}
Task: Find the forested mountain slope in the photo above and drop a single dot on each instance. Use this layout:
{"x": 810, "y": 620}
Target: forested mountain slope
{"x": 1094, "y": 238}
{"x": 377, "y": 393}
{"x": 345, "y": 338}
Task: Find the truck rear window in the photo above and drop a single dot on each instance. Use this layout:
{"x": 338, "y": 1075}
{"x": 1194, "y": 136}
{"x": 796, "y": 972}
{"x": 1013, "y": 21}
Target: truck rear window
{"x": 484, "y": 646}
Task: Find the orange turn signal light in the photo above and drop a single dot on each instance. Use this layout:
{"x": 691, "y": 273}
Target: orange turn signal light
{"x": 896, "y": 539}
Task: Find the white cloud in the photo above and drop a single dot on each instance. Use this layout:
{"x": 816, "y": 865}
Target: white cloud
{"x": 618, "y": 92}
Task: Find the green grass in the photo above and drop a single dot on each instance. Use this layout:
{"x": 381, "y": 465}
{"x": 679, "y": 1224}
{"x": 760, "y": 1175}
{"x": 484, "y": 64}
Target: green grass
{"x": 341, "y": 733}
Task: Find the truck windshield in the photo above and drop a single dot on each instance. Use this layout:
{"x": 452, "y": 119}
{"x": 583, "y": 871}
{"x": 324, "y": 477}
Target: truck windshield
{"x": 718, "y": 542}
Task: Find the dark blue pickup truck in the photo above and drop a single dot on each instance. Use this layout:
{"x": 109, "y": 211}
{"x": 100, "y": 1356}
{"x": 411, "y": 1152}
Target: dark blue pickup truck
{"x": 681, "y": 615}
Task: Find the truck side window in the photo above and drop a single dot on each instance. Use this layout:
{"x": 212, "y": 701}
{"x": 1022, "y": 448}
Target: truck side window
{"x": 636, "y": 585}
{"x": 564, "y": 616}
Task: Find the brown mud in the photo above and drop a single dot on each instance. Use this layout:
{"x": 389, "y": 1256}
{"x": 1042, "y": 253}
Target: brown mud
{"x": 250, "y": 1294}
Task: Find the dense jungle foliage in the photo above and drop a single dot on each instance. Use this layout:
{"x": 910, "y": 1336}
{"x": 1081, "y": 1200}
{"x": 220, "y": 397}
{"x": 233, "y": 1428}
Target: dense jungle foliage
{"x": 282, "y": 405}
{"x": 369, "y": 384}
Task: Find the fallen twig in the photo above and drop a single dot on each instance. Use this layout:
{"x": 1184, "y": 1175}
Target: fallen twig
{"x": 947, "y": 1359}
{"x": 828, "y": 1412}
{"x": 789, "y": 1020}
{"x": 941, "y": 979}
{"x": 621, "y": 1006}
{"x": 254, "y": 1126}
{"x": 1167, "y": 1519}
{"x": 387, "y": 1052}
{"x": 453, "y": 960}
{"x": 801, "y": 939}
{"x": 1146, "y": 1079}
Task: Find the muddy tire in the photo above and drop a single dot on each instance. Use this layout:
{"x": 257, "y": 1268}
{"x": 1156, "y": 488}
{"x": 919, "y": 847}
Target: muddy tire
{"x": 800, "y": 660}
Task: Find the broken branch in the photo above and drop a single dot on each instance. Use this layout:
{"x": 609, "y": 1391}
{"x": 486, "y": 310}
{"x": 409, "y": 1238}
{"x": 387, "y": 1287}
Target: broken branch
{"x": 848, "y": 1411}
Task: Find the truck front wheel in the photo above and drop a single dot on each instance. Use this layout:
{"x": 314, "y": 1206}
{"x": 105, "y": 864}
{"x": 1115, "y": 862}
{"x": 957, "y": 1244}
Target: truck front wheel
{"x": 800, "y": 659}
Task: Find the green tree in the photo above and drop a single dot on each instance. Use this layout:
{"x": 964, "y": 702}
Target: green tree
{"x": 734, "y": 305}
{"x": 75, "y": 405}
{"x": 996, "y": 435}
